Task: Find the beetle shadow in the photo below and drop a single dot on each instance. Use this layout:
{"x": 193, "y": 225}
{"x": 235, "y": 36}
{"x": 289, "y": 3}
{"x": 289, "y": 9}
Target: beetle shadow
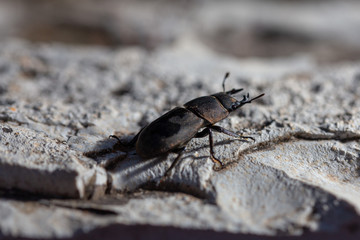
{"x": 114, "y": 157}
{"x": 219, "y": 143}
{"x": 189, "y": 153}
{"x": 137, "y": 166}
{"x": 107, "y": 152}
{"x": 164, "y": 159}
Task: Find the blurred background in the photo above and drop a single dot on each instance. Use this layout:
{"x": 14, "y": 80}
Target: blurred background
{"x": 326, "y": 30}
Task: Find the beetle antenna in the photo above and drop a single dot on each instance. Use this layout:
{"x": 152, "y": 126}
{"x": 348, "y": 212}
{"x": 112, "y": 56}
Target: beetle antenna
{"x": 233, "y": 91}
{"x": 256, "y": 97}
{"x": 245, "y": 100}
{"x": 225, "y": 77}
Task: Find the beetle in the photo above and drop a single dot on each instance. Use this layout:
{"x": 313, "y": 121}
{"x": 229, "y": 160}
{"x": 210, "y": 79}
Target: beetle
{"x": 195, "y": 119}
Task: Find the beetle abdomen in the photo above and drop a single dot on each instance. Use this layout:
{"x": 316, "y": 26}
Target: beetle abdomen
{"x": 169, "y": 132}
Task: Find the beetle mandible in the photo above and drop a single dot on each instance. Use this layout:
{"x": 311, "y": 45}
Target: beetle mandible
{"x": 172, "y": 131}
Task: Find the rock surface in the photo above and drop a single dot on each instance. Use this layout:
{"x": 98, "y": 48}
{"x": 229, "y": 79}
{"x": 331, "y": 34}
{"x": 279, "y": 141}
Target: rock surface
{"x": 61, "y": 176}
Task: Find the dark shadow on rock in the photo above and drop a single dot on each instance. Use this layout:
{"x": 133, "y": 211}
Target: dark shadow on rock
{"x": 148, "y": 232}
{"x": 60, "y": 183}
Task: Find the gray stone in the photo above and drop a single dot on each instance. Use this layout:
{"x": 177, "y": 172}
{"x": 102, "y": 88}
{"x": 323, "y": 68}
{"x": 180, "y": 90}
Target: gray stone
{"x": 62, "y": 176}
{"x": 300, "y": 173}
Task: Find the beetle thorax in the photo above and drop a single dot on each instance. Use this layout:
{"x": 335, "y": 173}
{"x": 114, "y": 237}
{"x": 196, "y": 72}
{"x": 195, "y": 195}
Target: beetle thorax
{"x": 226, "y": 100}
{"x": 208, "y": 108}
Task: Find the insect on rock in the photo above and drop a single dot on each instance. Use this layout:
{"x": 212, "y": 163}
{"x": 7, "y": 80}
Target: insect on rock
{"x": 195, "y": 119}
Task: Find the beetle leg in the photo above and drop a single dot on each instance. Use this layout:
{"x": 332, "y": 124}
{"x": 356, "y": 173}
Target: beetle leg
{"x": 124, "y": 146}
{"x": 202, "y": 134}
{"x": 230, "y": 133}
{"x": 128, "y": 144}
{"x": 116, "y": 137}
{"x": 134, "y": 139}
{"x": 212, "y": 156}
{"x": 180, "y": 154}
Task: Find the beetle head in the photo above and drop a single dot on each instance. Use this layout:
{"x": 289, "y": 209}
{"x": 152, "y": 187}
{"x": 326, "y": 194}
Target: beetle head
{"x": 231, "y": 103}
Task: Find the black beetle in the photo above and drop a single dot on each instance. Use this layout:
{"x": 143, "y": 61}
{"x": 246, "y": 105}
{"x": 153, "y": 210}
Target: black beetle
{"x": 172, "y": 131}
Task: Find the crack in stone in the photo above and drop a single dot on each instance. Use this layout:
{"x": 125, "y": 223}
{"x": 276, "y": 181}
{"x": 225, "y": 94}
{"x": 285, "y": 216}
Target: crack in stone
{"x": 87, "y": 207}
{"x": 299, "y": 136}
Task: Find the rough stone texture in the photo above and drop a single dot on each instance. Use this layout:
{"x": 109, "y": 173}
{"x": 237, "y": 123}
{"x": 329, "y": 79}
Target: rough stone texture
{"x": 61, "y": 176}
